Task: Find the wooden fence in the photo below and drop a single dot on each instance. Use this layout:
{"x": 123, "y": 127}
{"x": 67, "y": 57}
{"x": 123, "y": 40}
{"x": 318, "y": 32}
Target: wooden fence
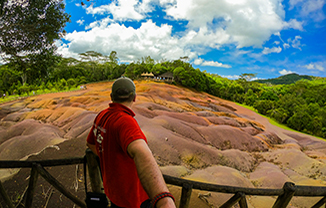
{"x": 239, "y": 193}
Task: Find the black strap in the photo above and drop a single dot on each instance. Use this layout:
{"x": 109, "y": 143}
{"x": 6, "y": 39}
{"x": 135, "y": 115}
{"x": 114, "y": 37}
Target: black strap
{"x": 85, "y": 174}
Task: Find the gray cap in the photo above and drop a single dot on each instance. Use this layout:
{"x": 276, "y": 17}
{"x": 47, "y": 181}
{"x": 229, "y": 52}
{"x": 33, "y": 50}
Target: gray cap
{"x": 123, "y": 87}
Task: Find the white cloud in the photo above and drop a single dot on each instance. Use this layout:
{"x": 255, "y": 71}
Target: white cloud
{"x": 210, "y": 63}
{"x": 285, "y": 72}
{"x": 80, "y": 22}
{"x": 294, "y": 3}
{"x": 312, "y": 6}
{"x": 231, "y": 76}
{"x": 130, "y": 44}
{"x": 121, "y": 10}
{"x": 211, "y": 25}
{"x": 312, "y": 9}
{"x": 315, "y": 66}
{"x": 310, "y": 66}
{"x": 293, "y": 24}
{"x": 272, "y": 50}
{"x": 245, "y": 23}
{"x": 319, "y": 67}
{"x": 277, "y": 42}
{"x": 198, "y": 61}
{"x": 296, "y": 42}
{"x": 286, "y": 45}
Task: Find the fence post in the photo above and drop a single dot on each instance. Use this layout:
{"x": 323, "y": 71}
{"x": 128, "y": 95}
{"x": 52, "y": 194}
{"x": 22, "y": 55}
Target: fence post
{"x": 56, "y": 184}
{"x": 31, "y": 186}
{"x": 233, "y": 200}
{"x": 284, "y": 199}
{"x": 185, "y": 195}
{"x": 5, "y": 196}
{"x": 243, "y": 202}
{"x": 320, "y": 203}
{"x": 94, "y": 172}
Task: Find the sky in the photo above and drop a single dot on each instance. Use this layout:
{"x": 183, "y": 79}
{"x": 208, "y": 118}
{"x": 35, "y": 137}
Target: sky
{"x": 269, "y": 38}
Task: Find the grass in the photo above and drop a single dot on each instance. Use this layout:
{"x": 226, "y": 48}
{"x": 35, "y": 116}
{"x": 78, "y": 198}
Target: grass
{"x": 275, "y": 123}
{"x": 37, "y": 92}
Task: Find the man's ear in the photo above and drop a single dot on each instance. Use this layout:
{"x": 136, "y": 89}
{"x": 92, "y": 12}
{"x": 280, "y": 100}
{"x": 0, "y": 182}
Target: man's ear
{"x": 111, "y": 96}
{"x": 134, "y": 100}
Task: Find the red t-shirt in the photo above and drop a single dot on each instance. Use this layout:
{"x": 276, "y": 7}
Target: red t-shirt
{"x": 113, "y": 130}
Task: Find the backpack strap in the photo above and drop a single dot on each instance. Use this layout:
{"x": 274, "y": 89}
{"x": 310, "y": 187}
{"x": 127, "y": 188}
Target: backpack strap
{"x": 85, "y": 173}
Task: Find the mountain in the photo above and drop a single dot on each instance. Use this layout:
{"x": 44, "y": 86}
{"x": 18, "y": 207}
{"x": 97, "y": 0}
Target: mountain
{"x": 192, "y": 135}
{"x": 286, "y": 79}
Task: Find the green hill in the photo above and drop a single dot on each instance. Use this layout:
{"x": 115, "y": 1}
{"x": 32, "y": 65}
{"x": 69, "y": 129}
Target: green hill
{"x": 286, "y": 79}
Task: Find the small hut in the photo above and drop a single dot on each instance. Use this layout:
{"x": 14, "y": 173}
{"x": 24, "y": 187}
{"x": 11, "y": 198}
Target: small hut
{"x": 166, "y": 77}
{"x": 147, "y": 75}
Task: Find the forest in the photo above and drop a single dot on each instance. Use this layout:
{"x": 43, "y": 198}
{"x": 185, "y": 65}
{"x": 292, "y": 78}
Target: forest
{"x": 300, "y": 105}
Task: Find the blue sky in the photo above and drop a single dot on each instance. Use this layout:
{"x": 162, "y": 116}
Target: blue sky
{"x": 226, "y": 37}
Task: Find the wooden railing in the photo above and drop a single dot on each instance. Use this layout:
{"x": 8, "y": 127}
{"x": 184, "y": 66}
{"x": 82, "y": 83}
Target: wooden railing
{"x": 37, "y": 168}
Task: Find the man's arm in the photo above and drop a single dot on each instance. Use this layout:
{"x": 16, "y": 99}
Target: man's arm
{"x": 92, "y": 147}
{"x": 149, "y": 173}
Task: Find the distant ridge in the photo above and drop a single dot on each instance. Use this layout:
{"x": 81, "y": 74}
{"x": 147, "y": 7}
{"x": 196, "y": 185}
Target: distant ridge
{"x": 286, "y": 79}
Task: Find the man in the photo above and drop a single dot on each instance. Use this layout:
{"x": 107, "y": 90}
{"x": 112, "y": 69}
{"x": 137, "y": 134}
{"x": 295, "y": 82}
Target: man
{"x": 130, "y": 173}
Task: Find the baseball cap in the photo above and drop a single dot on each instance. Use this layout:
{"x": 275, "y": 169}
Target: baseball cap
{"x": 122, "y": 88}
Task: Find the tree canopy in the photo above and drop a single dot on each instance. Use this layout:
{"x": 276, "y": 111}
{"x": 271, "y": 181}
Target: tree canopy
{"x": 28, "y": 31}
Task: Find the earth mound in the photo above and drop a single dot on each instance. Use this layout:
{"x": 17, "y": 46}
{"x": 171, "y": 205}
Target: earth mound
{"x": 192, "y": 135}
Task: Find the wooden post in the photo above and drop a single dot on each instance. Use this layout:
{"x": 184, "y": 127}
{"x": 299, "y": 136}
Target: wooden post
{"x": 320, "y": 203}
{"x": 284, "y": 199}
{"x": 56, "y": 184}
{"x": 31, "y": 187}
{"x": 233, "y": 200}
{"x": 243, "y": 202}
{"x": 185, "y": 195}
{"x": 5, "y": 196}
{"x": 94, "y": 172}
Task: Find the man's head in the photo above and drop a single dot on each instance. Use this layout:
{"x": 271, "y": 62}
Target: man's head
{"x": 123, "y": 90}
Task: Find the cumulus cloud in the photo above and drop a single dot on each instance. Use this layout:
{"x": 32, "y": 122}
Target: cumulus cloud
{"x": 130, "y": 44}
{"x": 244, "y": 22}
{"x": 272, "y": 50}
{"x": 311, "y": 66}
{"x": 121, "y": 10}
{"x": 285, "y": 72}
{"x": 238, "y": 23}
{"x": 210, "y": 63}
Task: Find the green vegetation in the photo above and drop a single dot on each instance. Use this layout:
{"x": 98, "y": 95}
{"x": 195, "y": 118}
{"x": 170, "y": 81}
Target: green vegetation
{"x": 300, "y": 105}
{"x": 28, "y": 31}
{"x": 286, "y": 79}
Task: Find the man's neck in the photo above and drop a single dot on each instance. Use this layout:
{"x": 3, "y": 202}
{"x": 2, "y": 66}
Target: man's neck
{"x": 127, "y": 104}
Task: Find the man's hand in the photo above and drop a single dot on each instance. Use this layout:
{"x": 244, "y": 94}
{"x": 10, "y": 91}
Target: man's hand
{"x": 149, "y": 173}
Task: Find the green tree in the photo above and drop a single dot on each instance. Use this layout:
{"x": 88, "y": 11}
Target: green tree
{"x": 299, "y": 120}
{"x": 32, "y": 26}
{"x": 268, "y": 95}
{"x": 263, "y": 106}
{"x": 113, "y": 57}
{"x": 8, "y": 76}
{"x": 279, "y": 114}
{"x": 250, "y": 97}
